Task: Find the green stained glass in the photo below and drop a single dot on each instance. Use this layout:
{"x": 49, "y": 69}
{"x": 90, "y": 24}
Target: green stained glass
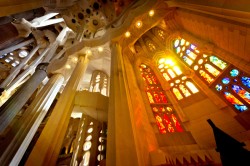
{"x": 218, "y": 62}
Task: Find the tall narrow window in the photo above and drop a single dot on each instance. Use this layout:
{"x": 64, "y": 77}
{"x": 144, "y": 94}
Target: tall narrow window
{"x": 182, "y": 87}
{"x": 231, "y": 83}
{"x": 234, "y": 86}
{"x": 206, "y": 67}
{"x": 165, "y": 117}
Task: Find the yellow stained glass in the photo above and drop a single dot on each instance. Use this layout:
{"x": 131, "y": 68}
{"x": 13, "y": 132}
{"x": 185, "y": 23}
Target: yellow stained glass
{"x": 165, "y": 75}
{"x": 212, "y": 70}
{"x": 176, "y": 43}
{"x": 192, "y": 87}
{"x": 177, "y": 94}
{"x": 184, "y": 90}
{"x": 183, "y": 42}
{"x": 192, "y": 55}
{"x": 206, "y": 76}
{"x": 187, "y": 60}
{"x": 177, "y": 70}
{"x": 171, "y": 73}
{"x": 150, "y": 97}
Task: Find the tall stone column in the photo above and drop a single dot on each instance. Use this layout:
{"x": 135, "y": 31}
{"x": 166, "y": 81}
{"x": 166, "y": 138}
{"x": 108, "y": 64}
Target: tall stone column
{"x": 47, "y": 147}
{"x": 27, "y": 126}
{"x": 120, "y": 118}
{"x": 11, "y": 107}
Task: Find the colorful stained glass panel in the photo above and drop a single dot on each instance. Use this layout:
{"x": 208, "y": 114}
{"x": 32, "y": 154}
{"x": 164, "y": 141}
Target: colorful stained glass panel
{"x": 242, "y": 93}
{"x": 233, "y": 100}
{"x": 234, "y": 72}
{"x": 225, "y": 80}
{"x": 219, "y": 63}
{"x": 246, "y": 81}
{"x": 206, "y": 76}
{"x": 184, "y": 90}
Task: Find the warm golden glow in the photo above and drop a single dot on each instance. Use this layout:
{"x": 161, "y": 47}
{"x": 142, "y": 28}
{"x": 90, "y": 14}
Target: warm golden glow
{"x": 68, "y": 66}
{"x": 151, "y": 13}
{"x": 88, "y": 52}
{"x": 138, "y": 24}
{"x": 127, "y": 34}
{"x": 75, "y": 59}
{"x": 100, "y": 49}
{"x": 161, "y": 60}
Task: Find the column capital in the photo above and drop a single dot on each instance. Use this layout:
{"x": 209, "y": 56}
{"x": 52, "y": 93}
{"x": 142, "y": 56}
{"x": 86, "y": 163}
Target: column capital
{"x": 42, "y": 66}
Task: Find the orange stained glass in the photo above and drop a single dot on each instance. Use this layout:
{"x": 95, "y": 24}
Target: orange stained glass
{"x": 157, "y": 98}
{"x": 212, "y": 70}
{"x": 160, "y": 124}
{"x": 171, "y": 73}
{"x": 165, "y": 75}
{"x": 192, "y": 87}
{"x": 176, "y": 123}
{"x": 168, "y": 123}
{"x": 163, "y": 97}
{"x": 184, "y": 90}
{"x": 155, "y": 109}
{"x": 206, "y": 76}
{"x": 150, "y": 97}
{"x": 177, "y": 94}
{"x": 237, "y": 103}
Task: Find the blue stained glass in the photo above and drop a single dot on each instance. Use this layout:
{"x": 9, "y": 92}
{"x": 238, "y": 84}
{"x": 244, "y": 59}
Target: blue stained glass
{"x": 235, "y": 80}
{"x": 234, "y": 72}
{"x": 242, "y": 93}
{"x": 241, "y": 108}
{"x": 188, "y": 51}
{"x": 218, "y": 87}
{"x": 225, "y": 80}
{"x": 246, "y": 81}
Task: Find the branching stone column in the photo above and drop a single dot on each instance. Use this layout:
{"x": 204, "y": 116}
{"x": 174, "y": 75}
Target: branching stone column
{"x": 12, "y": 48}
{"x": 47, "y": 147}
{"x": 11, "y": 107}
{"x": 16, "y": 70}
{"x": 27, "y": 126}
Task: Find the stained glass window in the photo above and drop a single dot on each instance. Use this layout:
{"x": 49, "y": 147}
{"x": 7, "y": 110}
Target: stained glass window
{"x": 206, "y": 67}
{"x": 234, "y": 89}
{"x": 181, "y": 86}
{"x": 165, "y": 117}
{"x": 231, "y": 83}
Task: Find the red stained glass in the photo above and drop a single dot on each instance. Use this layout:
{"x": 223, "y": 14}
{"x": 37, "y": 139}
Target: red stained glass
{"x": 176, "y": 123}
{"x": 149, "y": 79}
{"x": 157, "y": 98}
{"x": 168, "y": 123}
{"x": 160, "y": 125}
{"x": 163, "y": 97}
{"x": 154, "y": 79}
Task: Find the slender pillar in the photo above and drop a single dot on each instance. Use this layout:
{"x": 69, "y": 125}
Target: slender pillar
{"x": 47, "y": 147}
{"x": 27, "y": 126}
{"x": 11, "y": 107}
{"x": 120, "y": 117}
{"x": 16, "y": 70}
{"x": 10, "y": 49}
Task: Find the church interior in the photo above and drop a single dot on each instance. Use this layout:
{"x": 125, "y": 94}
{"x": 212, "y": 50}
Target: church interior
{"x": 124, "y": 83}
